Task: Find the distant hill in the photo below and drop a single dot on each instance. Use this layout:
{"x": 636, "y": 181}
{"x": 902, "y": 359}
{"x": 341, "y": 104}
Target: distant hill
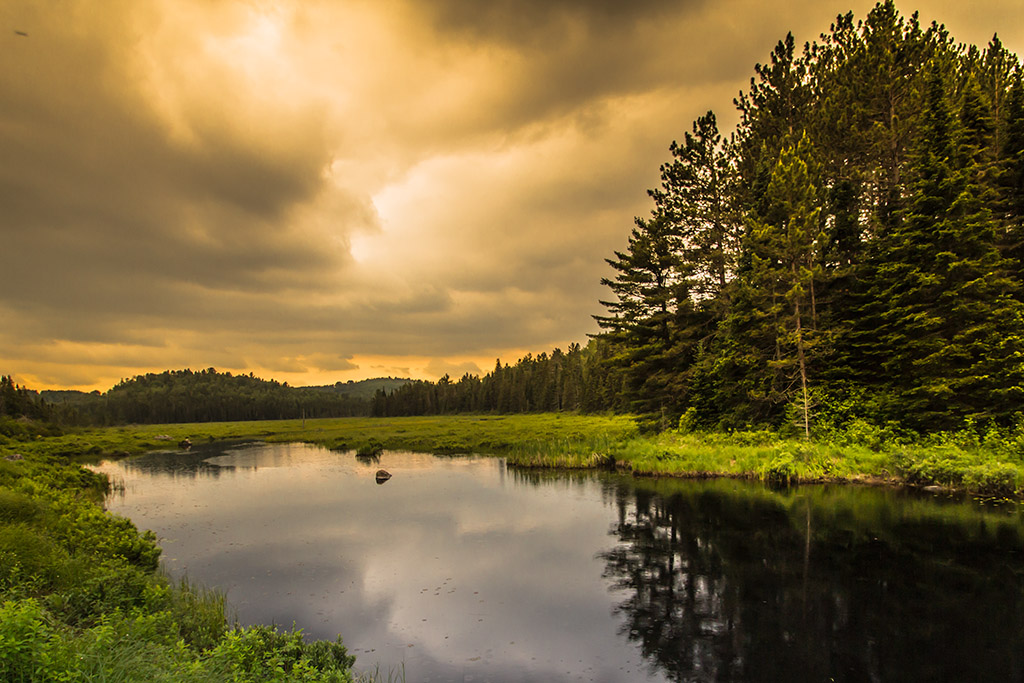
{"x": 365, "y": 388}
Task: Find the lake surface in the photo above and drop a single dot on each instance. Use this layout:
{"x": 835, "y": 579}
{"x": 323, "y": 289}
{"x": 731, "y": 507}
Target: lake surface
{"x": 458, "y": 569}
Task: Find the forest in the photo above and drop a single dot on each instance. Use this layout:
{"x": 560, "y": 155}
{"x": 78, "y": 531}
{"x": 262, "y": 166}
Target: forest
{"x": 853, "y": 248}
{"x": 190, "y": 396}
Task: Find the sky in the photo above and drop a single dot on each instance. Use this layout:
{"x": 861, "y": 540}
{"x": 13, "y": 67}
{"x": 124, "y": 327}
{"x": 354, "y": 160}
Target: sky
{"x": 319, "y": 191}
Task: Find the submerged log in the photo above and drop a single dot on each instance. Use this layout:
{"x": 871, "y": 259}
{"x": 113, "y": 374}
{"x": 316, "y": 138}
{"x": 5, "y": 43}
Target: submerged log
{"x": 382, "y": 476}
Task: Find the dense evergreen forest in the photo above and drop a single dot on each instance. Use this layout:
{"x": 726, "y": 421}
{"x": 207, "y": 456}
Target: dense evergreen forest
{"x": 852, "y": 250}
{"x": 18, "y": 401}
{"x": 853, "y": 247}
{"x": 578, "y": 379}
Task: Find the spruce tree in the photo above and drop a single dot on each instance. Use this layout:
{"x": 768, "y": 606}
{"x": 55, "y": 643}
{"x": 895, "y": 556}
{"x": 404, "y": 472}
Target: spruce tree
{"x": 774, "y": 316}
{"x": 651, "y": 288}
{"x": 1011, "y": 177}
{"x": 948, "y": 318}
{"x": 697, "y": 195}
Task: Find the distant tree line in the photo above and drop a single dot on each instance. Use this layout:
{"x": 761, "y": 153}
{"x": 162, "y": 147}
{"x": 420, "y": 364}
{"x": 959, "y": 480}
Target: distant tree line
{"x": 574, "y": 380}
{"x": 853, "y": 248}
{"x": 187, "y": 396}
{"x": 17, "y": 401}
{"x": 577, "y": 380}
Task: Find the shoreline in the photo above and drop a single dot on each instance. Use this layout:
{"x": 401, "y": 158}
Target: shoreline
{"x": 953, "y": 463}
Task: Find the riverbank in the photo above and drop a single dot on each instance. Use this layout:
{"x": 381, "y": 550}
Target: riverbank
{"x": 989, "y": 463}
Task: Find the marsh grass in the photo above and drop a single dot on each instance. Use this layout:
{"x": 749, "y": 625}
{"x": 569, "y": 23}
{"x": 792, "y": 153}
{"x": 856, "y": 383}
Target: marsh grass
{"x": 986, "y": 461}
{"x": 392, "y": 675}
{"x": 954, "y": 461}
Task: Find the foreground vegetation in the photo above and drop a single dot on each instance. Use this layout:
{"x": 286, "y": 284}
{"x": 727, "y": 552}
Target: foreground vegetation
{"x": 81, "y": 598}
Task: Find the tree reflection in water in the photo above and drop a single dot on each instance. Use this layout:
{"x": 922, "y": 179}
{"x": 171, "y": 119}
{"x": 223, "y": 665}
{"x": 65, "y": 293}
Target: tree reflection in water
{"x": 728, "y": 582}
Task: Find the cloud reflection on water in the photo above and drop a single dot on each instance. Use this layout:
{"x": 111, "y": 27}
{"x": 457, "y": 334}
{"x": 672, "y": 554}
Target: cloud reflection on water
{"x": 453, "y": 567}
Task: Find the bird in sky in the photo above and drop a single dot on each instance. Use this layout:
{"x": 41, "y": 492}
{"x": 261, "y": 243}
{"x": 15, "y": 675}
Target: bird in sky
{"x": 20, "y": 33}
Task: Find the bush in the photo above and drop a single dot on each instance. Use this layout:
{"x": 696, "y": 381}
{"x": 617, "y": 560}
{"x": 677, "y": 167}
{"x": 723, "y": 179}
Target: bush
{"x": 262, "y": 653}
{"x": 688, "y": 421}
{"x": 993, "y": 478}
{"x": 780, "y": 470}
{"x": 371, "y": 449}
{"x": 82, "y": 525}
{"x": 17, "y": 507}
{"x": 28, "y": 560}
{"x": 29, "y": 648}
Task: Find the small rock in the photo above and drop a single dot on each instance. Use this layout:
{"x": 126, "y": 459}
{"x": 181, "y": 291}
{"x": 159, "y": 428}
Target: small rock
{"x": 382, "y": 476}
{"x": 14, "y": 457}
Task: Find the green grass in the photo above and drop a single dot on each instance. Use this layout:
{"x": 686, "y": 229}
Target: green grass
{"x": 990, "y": 463}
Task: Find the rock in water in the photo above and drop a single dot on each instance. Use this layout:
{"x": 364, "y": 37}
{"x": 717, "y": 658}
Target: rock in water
{"x": 383, "y": 476}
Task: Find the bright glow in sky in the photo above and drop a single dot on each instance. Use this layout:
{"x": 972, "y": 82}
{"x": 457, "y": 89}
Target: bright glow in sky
{"x": 318, "y": 191}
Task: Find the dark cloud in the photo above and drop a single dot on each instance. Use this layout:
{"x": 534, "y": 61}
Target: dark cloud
{"x": 565, "y": 57}
{"x": 546, "y": 23}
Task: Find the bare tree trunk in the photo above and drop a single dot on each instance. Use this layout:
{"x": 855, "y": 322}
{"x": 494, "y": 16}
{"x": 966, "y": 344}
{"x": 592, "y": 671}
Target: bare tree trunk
{"x": 803, "y": 363}
{"x": 814, "y": 305}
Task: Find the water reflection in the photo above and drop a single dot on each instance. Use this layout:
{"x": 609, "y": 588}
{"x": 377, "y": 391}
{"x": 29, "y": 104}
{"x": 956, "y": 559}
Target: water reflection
{"x": 453, "y": 569}
{"x": 459, "y": 569}
{"x": 725, "y": 584}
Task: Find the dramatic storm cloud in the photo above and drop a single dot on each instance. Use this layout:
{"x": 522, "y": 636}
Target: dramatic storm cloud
{"x": 322, "y": 191}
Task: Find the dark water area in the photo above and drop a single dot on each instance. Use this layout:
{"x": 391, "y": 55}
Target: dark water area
{"x": 459, "y": 569}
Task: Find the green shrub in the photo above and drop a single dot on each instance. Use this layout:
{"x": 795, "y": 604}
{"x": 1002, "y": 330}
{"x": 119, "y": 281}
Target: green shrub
{"x": 28, "y": 557}
{"x": 84, "y": 526}
{"x": 262, "y": 653}
{"x": 104, "y": 587}
{"x": 370, "y": 449}
{"x": 993, "y": 478}
{"x": 780, "y": 470}
{"x": 688, "y": 421}
{"x": 29, "y": 648}
{"x": 18, "y": 507}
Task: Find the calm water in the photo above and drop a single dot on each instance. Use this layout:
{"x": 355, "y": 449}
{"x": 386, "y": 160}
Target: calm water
{"x": 461, "y": 570}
